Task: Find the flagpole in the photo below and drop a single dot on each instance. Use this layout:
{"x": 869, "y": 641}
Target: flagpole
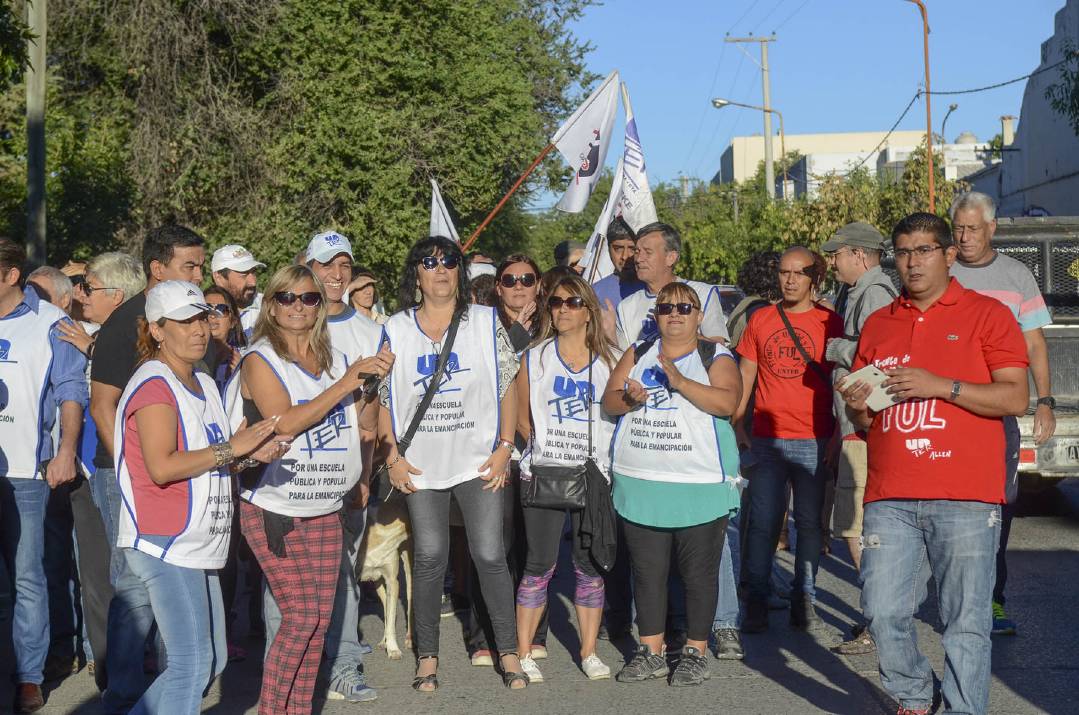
{"x": 498, "y": 207}
{"x": 595, "y": 259}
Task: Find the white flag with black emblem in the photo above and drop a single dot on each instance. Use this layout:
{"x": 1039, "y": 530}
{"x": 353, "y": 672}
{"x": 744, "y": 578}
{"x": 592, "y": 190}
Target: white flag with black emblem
{"x": 583, "y": 140}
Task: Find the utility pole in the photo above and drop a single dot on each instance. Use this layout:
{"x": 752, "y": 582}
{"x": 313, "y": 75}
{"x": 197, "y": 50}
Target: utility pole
{"x": 684, "y": 182}
{"x": 36, "y": 20}
{"x": 769, "y": 168}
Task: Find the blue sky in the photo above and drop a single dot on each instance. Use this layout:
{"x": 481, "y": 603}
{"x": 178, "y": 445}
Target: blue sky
{"x": 837, "y": 65}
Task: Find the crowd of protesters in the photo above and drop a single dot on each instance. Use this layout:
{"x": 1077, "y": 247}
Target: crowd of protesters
{"x": 163, "y": 439}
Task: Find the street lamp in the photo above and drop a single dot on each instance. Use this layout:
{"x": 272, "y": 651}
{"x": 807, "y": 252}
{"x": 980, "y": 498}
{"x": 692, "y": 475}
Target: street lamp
{"x": 928, "y": 119}
{"x": 720, "y": 103}
{"x": 944, "y": 137}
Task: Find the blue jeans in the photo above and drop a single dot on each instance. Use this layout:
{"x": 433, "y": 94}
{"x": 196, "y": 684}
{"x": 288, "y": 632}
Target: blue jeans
{"x": 131, "y": 617}
{"x": 779, "y": 461}
{"x": 959, "y": 541}
{"x": 190, "y": 616}
{"x": 727, "y": 604}
{"x": 22, "y": 536}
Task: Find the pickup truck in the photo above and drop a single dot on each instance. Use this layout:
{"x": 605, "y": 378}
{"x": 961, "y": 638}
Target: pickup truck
{"x": 1049, "y": 246}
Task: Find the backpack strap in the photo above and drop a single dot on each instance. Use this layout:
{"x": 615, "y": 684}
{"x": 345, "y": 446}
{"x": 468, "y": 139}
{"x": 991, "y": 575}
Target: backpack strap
{"x": 705, "y": 348}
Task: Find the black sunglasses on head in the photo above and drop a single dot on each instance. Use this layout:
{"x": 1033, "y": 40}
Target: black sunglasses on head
{"x": 287, "y": 297}
{"x": 430, "y": 263}
{"x": 223, "y": 308}
{"x": 575, "y": 302}
{"x": 668, "y": 308}
{"x": 508, "y": 280}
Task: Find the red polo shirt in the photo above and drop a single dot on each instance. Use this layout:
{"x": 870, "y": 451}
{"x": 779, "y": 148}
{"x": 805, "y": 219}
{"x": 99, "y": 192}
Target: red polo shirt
{"x": 933, "y": 449}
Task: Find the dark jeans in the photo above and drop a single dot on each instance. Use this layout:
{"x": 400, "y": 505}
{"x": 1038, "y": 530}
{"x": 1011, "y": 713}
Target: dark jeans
{"x": 7, "y": 642}
{"x": 779, "y": 462}
{"x": 63, "y": 582}
{"x": 1007, "y": 512}
{"x": 429, "y": 511}
{"x": 697, "y": 550}
{"x": 93, "y": 573}
{"x": 480, "y": 633}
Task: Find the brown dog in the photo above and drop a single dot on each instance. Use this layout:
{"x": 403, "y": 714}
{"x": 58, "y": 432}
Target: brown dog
{"x": 386, "y": 547}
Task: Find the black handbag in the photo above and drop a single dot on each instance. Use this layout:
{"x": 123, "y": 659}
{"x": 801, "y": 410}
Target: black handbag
{"x": 561, "y": 487}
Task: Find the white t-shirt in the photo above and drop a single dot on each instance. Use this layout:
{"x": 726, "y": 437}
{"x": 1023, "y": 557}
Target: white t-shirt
{"x": 354, "y": 334}
{"x": 560, "y": 401}
{"x": 637, "y": 322}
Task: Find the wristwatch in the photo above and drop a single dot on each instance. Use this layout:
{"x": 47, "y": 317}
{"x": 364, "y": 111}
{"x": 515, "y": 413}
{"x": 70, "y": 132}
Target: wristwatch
{"x": 956, "y": 386}
{"x": 1049, "y": 400}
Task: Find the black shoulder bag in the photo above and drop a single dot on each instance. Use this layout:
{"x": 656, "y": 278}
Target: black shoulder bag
{"x": 810, "y": 362}
{"x": 421, "y": 409}
{"x": 561, "y": 487}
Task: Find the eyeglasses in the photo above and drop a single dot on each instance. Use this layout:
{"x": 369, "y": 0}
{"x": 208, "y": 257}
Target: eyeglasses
{"x": 287, "y": 297}
{"x": 508, "y": 280}
{"x": 668, "y": 308}
{"x": 575, "y": 302}
{"x": 430, "y": 263}
{"x": 799, "y": 274}
{"x": 89, "y": 289}
{"x": 222, "y": 308}
{"x": 920, "y": 251}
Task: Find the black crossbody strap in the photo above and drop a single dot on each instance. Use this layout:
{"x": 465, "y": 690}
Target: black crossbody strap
{"x": 432, "y": 387}
{"x": 810, "y": 362}
{"x": 591, "y": 399}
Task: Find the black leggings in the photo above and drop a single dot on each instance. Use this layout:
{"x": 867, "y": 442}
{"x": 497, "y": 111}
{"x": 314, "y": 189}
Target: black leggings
{"x": 698, "y": 550}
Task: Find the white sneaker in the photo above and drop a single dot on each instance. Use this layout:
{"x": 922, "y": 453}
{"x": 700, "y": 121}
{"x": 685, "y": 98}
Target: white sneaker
{"x": 528, "y": 665}
{"x": 595, "y": 668}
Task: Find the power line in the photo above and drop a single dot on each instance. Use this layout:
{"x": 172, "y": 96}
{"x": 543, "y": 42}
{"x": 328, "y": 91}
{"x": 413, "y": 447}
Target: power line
{"x": 882, "y": 141}
{"x": 1011, "y": 81}
{"x": 744, "y": 14}
{"x": 788, "y": 18}
{"x": 704, "y": 112}
{"x": 769, "y": 14}
{"x": 719, "y": 123}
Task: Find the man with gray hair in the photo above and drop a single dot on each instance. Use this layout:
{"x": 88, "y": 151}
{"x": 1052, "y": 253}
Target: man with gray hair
{"x": 982, "y": 269}
{"x": 52, "y": 286}
{"x": 658, "y": 249}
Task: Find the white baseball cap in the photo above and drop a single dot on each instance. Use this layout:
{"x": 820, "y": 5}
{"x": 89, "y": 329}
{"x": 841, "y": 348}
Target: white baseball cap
{"x": 234, "y": 258}
{"x": 324, "y": 246}
{"x": 475, "y": 270}
{"x": 175, "y": 300}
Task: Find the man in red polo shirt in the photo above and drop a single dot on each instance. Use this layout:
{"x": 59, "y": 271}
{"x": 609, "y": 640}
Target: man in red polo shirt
{"x": 957, "y": 364}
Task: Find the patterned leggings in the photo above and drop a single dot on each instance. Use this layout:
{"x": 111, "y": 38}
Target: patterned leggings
{"x": 543, "y": 529}
{"x": 303, "y": 584}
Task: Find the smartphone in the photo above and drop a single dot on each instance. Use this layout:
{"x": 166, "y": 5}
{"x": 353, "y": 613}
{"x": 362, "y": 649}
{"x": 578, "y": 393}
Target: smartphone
{"x": 879, "y": 399}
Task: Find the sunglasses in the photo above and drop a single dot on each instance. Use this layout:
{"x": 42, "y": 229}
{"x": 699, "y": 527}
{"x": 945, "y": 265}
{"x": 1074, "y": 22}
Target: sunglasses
{"x": 508, "y": 280}
{"x": 668, "y": 308}
{"x": 574, "y": 302}
{"x": 287, "y": 297}
{"x": 222, "y": 308}
{"x": 430, "y": 263}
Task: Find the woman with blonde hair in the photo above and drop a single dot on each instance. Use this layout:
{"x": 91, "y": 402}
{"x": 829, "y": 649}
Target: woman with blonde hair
{"x": 289, "y": 510}
{"x": 564, "y": 425}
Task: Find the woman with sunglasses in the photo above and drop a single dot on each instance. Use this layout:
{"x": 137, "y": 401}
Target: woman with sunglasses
{"x": 517, "y": 287}
{"x": 517, "y": 282}
{"x": 674, "y": 465}
{"x": 561, "y": 376}
{"x": 290, "y": 511}
{"x": 226, "y": 335}
{"x": 174, "y": 467}
{"x": 461, "y": 448}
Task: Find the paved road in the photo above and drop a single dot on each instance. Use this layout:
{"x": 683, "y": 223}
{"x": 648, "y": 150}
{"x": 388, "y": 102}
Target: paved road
{"x": 784, "y": 671}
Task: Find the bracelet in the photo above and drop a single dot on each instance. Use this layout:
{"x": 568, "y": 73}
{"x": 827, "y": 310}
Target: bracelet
{"x": 395, "y": 461}
{"x": 245, "y": 463}
{"x": 222, "y": 453}
{"x": 507, "y": 444}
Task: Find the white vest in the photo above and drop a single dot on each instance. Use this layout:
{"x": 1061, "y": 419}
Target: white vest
{"x": 250, "y": 315}
{"x": 203, "y": 541}
{"x": 460, "y": 429}
{"x": 324, "y": 462}
{"x": 559, "y": 402}
{"x": 25, "y": 363}
{"x": 357, "y": 336}
{"x": 637, "y": 320}
{"x": 668, "y": 438}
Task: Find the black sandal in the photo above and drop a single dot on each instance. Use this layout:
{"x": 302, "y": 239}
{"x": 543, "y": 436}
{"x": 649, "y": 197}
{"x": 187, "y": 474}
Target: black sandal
{"x": 508, "y": 678}
{"x": 420, "y": 681}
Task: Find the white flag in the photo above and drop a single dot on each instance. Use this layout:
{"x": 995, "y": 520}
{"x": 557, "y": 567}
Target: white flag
{"x": 441, "y": 223}
{"x": 638, "y": 208}
{"x": 583, "y": 141}
{"x": 597, "y": 258}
